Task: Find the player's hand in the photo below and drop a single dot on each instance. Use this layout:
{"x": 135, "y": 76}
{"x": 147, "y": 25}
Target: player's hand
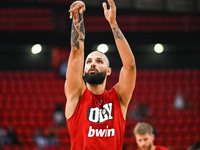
{"x": 76, "y": 8}
{"x": 110, "y": 14}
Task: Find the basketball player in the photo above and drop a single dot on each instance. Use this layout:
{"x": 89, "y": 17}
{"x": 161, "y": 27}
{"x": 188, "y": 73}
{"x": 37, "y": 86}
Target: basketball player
{"x": 144, "y": 137}
{"x": 96, "y": 117}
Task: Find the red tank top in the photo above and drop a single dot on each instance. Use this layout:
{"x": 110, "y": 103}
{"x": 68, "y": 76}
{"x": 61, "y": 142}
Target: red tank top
{"x": 160, "y": 148}
{"x": 97, "y": 122}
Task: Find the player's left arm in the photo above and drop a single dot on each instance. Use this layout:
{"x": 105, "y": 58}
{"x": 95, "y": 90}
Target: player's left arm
{"x": 127, "y": 75}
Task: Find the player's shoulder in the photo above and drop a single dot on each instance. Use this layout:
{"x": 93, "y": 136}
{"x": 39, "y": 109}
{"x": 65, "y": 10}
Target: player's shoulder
{"x": 161, "y": 148}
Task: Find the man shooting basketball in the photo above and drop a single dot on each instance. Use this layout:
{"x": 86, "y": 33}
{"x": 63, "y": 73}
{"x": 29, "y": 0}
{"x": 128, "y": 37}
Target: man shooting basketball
{"x": 96, "y": 117}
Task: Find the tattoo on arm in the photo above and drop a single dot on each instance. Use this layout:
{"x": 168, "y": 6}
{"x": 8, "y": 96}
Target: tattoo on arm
{"x": 117, "y": 33}
{"x": 77, "y": 32}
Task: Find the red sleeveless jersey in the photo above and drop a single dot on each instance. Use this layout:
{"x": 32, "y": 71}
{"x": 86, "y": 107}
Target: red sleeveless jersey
{"x": 97, "y": 122}
{"x": 160, "y": 148}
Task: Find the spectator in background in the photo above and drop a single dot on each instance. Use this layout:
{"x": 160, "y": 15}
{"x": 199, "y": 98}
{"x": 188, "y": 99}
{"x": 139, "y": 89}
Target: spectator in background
{"x": 1, "y": 147}
{"x": 59, "y": 116}
{"x": 39, "y": 138}
{"x": 62, "y": 69}
{"x": 12, "y": 136}
{"x": 188, "y": 102}
{"x": 51, "y": 137}
{"x": 39, "y": 148}
{"x": 143, "y": 111}
{"x": 139, "y": 111}
{"x": 179, "y": 101}
{"x": 196, "y": 146}
{"x": 132, "y": 114}
{"x": 3, "y": 136}
{"x": 145, "y": 138}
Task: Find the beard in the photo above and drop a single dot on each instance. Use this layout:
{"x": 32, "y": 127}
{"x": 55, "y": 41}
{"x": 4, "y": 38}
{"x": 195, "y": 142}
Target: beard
{"x": 97, "y": 78}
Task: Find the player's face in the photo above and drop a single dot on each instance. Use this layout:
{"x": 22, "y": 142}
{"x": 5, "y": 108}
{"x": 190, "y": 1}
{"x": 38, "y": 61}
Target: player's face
{"x": 96, "y": 68}
{"x": 145, "y": 141}
{"x": 96, "y": 62}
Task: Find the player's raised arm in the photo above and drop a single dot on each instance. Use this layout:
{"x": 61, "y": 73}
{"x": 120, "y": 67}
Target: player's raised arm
{"x": 74, "y": 85}
{"x": 127, "y": 76}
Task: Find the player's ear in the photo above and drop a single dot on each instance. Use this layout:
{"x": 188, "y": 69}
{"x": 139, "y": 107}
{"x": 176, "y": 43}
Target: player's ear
{"x": 84, "y": 71}
{"x": 109, "y": 70}
{"x": 153, "y": 137}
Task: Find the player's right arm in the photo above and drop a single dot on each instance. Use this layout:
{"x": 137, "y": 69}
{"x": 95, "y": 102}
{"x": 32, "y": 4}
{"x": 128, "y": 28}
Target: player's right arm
{"x": 74, "y": 84}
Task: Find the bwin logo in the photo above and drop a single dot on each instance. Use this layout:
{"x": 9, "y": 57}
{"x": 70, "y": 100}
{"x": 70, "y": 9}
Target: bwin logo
{"x": 98, "y": 115}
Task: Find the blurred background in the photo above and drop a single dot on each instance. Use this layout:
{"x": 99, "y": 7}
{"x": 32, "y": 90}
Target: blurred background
{"x": 34, "y": 47}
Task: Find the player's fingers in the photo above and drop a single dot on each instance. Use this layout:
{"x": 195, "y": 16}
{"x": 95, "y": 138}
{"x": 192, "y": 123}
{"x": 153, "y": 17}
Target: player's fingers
{"x": 104, "y": 6}
{"x": 84, "y": 8}
{"x": 74, "y": 7}
{"x": 70, "y": 15}
{"x": 112, "y": 4}
{"x": 71, "y": 10}
{"x": 81, "y": 10}
{"x": 76, "y": 16}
